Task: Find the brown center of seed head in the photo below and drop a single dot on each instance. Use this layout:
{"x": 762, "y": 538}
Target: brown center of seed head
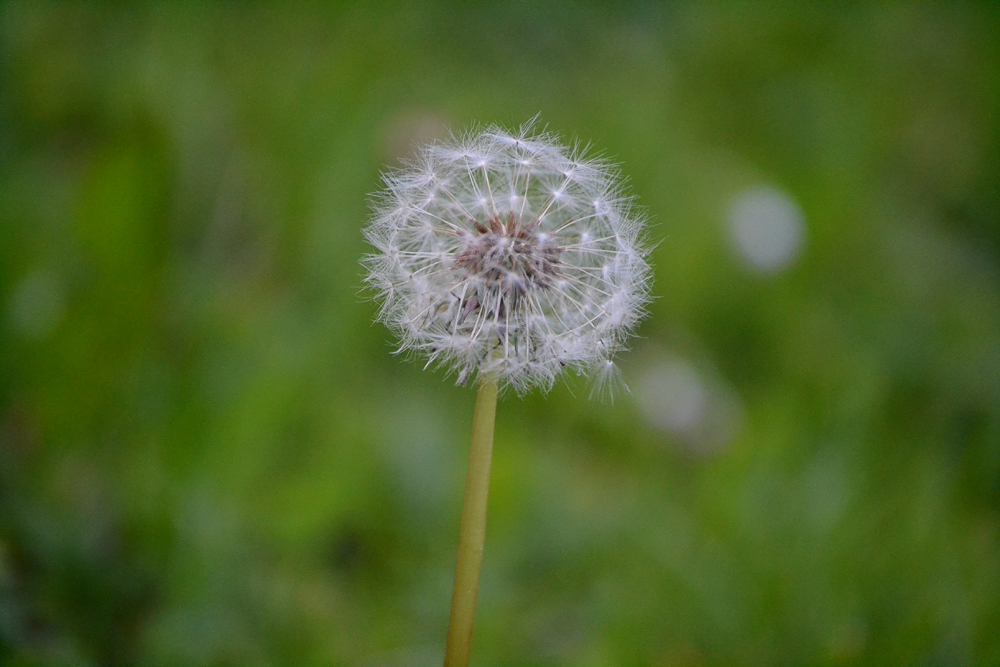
{"x": 508, "y": 258}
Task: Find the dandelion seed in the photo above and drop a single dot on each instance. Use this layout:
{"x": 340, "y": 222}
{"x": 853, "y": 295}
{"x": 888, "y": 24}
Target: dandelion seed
{"x": 509, "y": 255}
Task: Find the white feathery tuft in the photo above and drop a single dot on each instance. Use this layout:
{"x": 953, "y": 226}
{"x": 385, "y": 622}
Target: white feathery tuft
{"x": 511, "y": 255}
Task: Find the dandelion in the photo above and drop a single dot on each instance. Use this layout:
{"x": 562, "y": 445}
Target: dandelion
{"x": 509, "y": 256}
{"x": 505, "y": 258}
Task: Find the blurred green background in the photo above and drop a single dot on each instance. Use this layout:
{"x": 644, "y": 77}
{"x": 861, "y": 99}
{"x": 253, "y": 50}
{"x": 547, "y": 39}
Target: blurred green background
{"x": 209, "y": 455}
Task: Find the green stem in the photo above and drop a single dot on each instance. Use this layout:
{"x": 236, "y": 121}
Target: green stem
{"x": 473, "y": 530}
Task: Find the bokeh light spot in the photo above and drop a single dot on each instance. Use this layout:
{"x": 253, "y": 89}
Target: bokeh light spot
{"x": 767, "y": 229}
{"x": 678, "y": 400}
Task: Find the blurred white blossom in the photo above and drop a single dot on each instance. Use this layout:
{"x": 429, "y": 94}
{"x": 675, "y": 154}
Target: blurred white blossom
{"x": 767, "y": 228}
{"x": 509, "y": 254}
{"x": 688, "y": 402}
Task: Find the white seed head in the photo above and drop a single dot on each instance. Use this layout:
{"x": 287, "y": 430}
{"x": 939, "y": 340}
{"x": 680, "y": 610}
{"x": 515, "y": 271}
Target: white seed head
{"x": 510, "y": 255}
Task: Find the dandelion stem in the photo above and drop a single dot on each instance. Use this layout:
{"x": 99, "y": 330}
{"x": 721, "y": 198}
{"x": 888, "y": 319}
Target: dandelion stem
{"x": 473, "y": 529}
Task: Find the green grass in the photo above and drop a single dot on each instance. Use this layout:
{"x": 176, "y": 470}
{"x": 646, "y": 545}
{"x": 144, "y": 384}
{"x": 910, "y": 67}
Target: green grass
{"x": 209, "y": 455}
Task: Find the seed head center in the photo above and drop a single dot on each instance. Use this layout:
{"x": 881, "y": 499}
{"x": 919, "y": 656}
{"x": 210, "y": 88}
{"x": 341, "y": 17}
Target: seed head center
{"x": 507, "y": 258}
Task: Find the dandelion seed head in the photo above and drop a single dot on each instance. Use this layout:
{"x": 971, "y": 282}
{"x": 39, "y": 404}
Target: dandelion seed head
{"x": 509, "y": 255}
